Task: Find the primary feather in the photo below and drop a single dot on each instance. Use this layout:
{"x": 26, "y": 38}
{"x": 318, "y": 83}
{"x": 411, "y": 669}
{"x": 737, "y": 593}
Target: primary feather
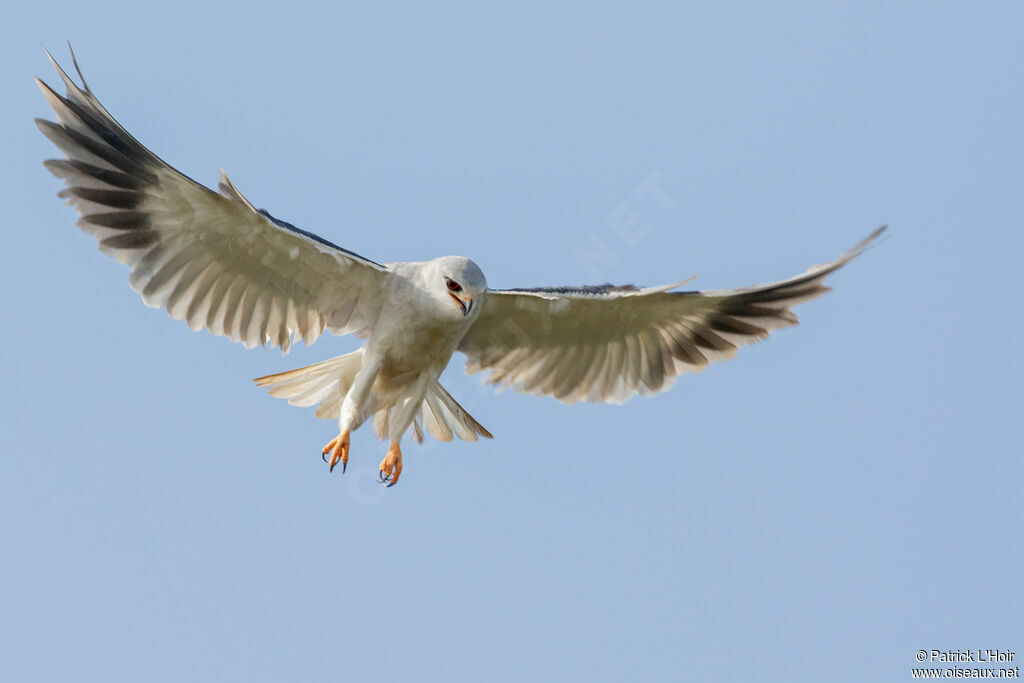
{"x": 212, "y": 260}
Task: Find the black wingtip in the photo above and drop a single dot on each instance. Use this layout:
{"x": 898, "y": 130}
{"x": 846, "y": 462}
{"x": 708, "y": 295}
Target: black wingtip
{"x": 867, "y": 241}
{"x": 78, "y": 70}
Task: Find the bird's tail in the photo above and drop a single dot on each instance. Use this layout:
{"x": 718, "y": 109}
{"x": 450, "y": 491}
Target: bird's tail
{"x": 325, "y": 383}
{"x": 441, "y": 415}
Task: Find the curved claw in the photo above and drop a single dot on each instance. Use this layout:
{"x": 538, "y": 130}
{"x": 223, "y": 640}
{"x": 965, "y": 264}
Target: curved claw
{"x": 338, "y": 448}
{"x": 391, "y": 466}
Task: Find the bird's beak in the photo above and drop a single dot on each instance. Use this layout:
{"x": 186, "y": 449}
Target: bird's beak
{"x": 464, "y": 305}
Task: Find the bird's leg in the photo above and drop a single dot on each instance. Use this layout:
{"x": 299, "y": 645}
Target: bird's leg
{"x": 391, "y": 465}
{"x": 401, "y": 418}
{"x": 353, "y": 402}
{"x": 338, "y": 448}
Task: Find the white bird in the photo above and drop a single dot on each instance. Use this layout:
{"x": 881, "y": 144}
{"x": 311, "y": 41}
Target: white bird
{"x": 217, "y": 262}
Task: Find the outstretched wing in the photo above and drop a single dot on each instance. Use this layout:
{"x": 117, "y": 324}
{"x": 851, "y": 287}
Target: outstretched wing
{"x": 606, "y": 344}
{"x": 209, "y": 259}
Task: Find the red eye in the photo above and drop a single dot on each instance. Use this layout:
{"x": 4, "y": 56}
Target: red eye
{"x": 454, "y": 286}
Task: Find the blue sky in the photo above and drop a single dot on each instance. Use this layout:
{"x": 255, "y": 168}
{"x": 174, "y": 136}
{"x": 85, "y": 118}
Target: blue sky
{"x": 820, "y": 508}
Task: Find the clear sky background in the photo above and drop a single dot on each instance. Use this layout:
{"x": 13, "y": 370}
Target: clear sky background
{"x": 820, "y": 508}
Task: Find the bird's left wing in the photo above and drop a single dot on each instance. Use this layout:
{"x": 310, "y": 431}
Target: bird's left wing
{"x": 606, "y": 344}
{"x": 212, "y": 260}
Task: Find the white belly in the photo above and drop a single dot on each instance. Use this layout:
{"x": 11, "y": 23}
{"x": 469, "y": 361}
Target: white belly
{"x": 408, "y": 343}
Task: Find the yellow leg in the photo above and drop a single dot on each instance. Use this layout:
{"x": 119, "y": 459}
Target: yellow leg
{"x": 391, "y": 465}
{"x": 338, "y": 448}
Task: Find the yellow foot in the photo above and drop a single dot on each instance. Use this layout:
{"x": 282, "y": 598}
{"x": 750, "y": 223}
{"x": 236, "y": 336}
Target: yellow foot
{"x": 391, "y": 465}
{"x": 338, "y": 448}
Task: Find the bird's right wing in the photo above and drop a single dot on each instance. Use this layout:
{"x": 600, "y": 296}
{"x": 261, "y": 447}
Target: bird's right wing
{"x": 212, "y": 260}
{"x": 607, "y": 344}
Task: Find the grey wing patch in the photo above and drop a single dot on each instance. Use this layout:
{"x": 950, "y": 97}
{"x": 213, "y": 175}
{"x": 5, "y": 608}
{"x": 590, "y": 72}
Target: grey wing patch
{"x": 316, "y": 238}
{"x": 607, "y": 289}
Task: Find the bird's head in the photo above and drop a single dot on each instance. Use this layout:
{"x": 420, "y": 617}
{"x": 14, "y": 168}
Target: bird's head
{"x": 458, "y": 282}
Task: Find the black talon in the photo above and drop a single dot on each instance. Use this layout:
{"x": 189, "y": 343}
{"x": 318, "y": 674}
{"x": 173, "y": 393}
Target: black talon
{"x": 344, "y": 466}
{"x": 323, "y": 456}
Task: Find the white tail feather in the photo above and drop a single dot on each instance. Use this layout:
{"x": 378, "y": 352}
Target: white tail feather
{"x": 440, "y": 414}
{"x": 326, "y": 383}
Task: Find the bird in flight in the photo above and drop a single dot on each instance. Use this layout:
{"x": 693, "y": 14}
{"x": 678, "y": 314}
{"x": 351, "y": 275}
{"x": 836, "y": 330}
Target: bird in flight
{"x": 215, "y": 261}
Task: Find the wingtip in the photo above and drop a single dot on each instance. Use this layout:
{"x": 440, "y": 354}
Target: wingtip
{"x": 50, "y": 55}
{"x": 69, "y": 85}
{"x": 871, "y": 238}
{"x": 78, "y": 70}
{"x": 56, "y": 67}
{"x": 860, "y": 247}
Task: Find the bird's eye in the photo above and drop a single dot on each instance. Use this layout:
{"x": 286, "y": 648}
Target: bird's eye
{"x": 454, "y": 286}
